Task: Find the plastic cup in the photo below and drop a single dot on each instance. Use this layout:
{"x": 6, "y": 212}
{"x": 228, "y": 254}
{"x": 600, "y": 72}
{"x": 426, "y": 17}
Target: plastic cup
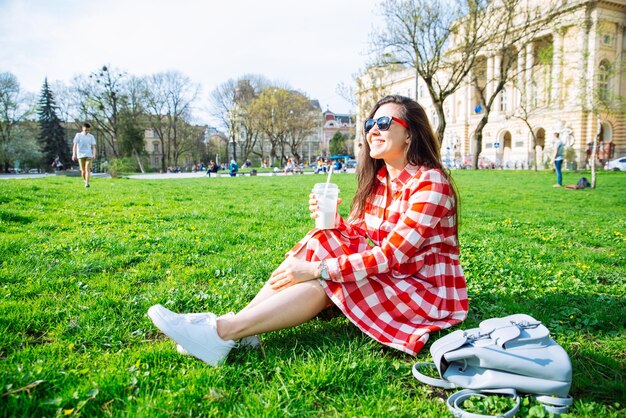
{"x": 326, "y": 195}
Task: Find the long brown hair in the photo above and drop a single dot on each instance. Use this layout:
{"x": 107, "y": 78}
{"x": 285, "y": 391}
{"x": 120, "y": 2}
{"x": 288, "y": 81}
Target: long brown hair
{"x": 423, "y": 150}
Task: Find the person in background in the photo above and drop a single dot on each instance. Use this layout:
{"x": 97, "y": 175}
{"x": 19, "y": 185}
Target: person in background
{"x": 289, "y": 167}
{"x": 84, "y": 149}
{"x": 392, "y": 267}
{"x": 57, "y": 164}
{"x": 321, "y": 166}
{"x": 234, "y": 168}
{"x": 211, "y": 168}
{"x": 557, "y": 159}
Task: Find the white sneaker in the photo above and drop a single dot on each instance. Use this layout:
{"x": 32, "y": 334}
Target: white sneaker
{"x": 197, "y": 334}
{"x": 251, "y": 341}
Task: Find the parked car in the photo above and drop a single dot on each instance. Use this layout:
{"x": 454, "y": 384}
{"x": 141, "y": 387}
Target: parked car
{"x": 351, "y": 164}
{"x": 618, "y": 164}
{"x": 34, "y": 171}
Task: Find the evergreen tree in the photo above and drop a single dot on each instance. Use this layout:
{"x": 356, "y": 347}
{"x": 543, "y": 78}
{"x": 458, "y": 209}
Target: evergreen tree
{"x": 51, "y": 133}
{"x": 337, "y": 145}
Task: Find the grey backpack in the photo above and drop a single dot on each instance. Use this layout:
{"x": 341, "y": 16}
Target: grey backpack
{"x": 502, "y": 356}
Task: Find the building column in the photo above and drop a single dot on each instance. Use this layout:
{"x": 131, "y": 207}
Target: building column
{"x": 489, "y": 85}
{"x": 583, "y": 45}
{"x": 530, "y": 50}
{"x": 557, "y": 61}
{"x": 497, "y": 63}
{"x": 520, "y": 90}
{"x": 619, "y": 45}
{"x": 469, "y": 97}
{"x": 452, "y": 107}
{"x": 591, "y": 49}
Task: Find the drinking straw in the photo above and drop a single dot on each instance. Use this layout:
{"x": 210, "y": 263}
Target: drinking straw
{"x": 330, "y": 172}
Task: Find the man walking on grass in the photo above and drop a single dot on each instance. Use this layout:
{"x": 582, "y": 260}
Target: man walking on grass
{"x": 85, "y": 149}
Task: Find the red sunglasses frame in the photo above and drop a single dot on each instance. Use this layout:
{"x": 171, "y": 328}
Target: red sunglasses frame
{"x": 400, "y": 121}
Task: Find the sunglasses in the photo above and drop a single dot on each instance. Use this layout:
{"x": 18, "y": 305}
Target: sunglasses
{"x": 383, "y": 122}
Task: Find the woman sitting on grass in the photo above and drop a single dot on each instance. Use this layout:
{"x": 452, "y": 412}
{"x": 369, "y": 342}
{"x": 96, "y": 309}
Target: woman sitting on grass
{"x": 406, "y": 285}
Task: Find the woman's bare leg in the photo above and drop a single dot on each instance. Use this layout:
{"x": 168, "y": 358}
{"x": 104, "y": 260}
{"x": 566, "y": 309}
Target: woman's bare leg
{"x": 285, "y": 309}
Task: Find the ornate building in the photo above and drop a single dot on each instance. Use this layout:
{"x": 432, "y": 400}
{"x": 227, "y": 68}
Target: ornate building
{"x": 333, "y": 123}
{"x": 564, "y": 78}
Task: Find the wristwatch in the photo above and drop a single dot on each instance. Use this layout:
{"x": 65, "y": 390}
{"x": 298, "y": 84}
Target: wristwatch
{"x": 324, "y": 271}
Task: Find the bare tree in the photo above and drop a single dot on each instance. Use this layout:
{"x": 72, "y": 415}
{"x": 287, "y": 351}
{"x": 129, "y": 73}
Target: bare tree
{"x": 154, "y": 97}
{"x": 517, "y": 22}
{"x": 15, "y": 108}
{"x": 371, "y": 87}
{"x": 230, "y": 103}
{"x": 348, "y": 92}
{"x": 605, "y": 105}
{"x": 223, "y": 101}
{"x": 101, "y": 102}
{"x": 68, "y": 102}
{"x": 440, "y": 39}
{"x": 526, "y": 113}
{"x": 169, "y": 98}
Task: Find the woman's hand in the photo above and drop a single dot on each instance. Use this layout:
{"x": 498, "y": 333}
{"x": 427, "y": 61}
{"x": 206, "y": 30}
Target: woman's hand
{"x": 313, "y": 207}
{"x": 292, "y": 271}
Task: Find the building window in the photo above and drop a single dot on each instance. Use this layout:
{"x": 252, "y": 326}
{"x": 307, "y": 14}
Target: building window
{"x": 607, "y": 39}
{"x": 603, "y": 80}
{"x": 155, "y": 147}
{"x": 503, "y": 100}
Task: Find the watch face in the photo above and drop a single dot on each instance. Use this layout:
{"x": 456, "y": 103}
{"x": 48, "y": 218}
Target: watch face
{"x": 324, "y": 272}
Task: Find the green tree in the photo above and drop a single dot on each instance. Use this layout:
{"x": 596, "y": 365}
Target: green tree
{"x": 131, "y": 136}
{"x": 131, "y": 116}
{"x": 51, "y": 133}
{"x": 286, "y": 118}
{"x": 337, "y": 145}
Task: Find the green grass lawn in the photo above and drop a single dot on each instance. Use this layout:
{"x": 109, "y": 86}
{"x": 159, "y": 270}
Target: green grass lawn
{"x": 80, "y": 267}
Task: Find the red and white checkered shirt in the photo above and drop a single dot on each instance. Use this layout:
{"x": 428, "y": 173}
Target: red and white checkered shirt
{"x": 409, "y": 282}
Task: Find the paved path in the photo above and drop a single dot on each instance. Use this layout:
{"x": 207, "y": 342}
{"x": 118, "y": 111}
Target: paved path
{"x": 149, "y": 176}
{"x": 194, "y": 175}
{"x": 43, "y": 175}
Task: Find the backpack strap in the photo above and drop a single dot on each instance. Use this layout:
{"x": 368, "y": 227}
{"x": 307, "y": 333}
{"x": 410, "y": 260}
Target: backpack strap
{"x": 430, "y": 380}
{"x": 555, "y": 405}
{"x": 455, "y": 402}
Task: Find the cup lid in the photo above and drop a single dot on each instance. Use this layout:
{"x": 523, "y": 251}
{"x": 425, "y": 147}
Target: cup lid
{"x": 323, "y": 185}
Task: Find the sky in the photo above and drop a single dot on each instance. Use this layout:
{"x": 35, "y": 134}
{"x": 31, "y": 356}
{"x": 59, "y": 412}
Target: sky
{"x": 312, "y": 46}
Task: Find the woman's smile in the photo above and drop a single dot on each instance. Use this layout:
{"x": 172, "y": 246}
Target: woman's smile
{"x": 390, "y": 144}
